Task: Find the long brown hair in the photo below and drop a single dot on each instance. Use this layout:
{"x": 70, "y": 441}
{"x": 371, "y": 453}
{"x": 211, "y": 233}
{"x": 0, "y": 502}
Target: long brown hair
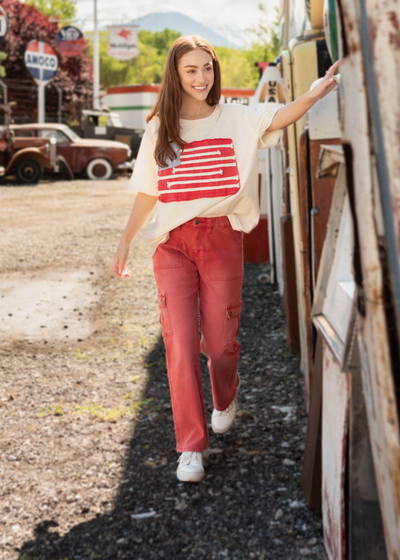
{"x": 169, "y": 101}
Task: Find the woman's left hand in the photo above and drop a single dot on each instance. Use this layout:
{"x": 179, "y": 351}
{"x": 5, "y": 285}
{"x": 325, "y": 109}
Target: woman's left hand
{"x": 326, "y": 84}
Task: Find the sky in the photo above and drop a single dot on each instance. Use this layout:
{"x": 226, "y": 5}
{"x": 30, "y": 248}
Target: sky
{"x": 236, "y": 14}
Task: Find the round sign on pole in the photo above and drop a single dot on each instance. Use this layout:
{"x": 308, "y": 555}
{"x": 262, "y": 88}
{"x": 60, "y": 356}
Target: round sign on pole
{"x": 3, "y": 23}
{"x": 70, "y": 41}
{"x": 40, "y": 60}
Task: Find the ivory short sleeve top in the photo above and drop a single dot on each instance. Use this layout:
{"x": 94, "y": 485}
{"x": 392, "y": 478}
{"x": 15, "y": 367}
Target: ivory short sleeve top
{"x": 215, "y": 174}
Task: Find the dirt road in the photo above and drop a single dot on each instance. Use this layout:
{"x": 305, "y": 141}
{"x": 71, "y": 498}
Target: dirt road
{"x": 87, "y": 467}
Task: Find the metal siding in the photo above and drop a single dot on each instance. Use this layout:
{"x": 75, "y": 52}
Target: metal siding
{"x": 335, "y": 401}
{"x": 373, "y": 334}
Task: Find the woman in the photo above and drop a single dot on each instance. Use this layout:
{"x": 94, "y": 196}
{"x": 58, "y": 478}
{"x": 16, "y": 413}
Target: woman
{"x": 198, "y": 163}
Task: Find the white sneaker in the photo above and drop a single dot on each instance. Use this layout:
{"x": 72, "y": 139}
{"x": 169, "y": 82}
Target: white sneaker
{"x": 222, "y": 420}
{"x": 190, "y": 468}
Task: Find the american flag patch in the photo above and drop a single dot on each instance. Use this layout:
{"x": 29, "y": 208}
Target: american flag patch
{"x": 203, "y": 169}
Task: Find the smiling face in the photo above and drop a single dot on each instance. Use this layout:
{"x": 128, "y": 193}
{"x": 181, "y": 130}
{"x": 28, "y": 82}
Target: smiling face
{"x": 196, "y": 74}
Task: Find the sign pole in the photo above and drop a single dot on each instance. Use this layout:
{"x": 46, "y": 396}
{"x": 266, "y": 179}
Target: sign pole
{"x": 41, "y": 102}
{"x": 96, "y": 62}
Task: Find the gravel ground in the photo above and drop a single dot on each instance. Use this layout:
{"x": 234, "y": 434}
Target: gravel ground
{"x": 87, "y": 449}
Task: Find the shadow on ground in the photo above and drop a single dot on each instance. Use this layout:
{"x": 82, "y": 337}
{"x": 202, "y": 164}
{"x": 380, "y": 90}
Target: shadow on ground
{"x": 233, "y": 512}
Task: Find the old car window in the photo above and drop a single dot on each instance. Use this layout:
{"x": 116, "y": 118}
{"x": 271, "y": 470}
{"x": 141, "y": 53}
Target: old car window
{"x": 22, "y": 133}
{"x": 102, "y": 120}
{"x": 70, "y": 133}
{"x": 60, "y": 137}
{"x": 115, "y": 120}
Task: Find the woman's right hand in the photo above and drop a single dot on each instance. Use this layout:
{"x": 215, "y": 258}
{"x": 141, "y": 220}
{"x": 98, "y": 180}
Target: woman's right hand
{"x": 119, "y": 262}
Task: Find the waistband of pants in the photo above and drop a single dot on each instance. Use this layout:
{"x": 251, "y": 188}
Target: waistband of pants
{"x": 209, "y": 223}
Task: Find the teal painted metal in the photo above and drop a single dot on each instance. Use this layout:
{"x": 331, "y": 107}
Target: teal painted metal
{"x": 331, "y": 29}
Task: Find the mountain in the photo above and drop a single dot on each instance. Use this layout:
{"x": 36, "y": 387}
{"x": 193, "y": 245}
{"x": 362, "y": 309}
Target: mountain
{"x": 185, "y": 25}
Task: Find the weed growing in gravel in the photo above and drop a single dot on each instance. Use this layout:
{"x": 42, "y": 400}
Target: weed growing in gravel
{"x": 80, "y": 356}
{"x": 144, "y": 342}
{"x": 103, "y": 413}
{"x": 113, "y": 413}
{"x": 159, "y": 364}
{"x": 53, "y": 410}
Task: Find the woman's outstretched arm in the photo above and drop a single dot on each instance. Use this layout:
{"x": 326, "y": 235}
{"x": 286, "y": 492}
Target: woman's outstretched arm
{"x": 142, "y": 207}
{"x": 292, "y": 112}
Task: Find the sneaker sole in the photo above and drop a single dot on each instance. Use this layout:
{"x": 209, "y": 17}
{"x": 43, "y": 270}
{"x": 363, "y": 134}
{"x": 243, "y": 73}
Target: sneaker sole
{"x": 219, "y": 432}
{"x": 190, "y": 477}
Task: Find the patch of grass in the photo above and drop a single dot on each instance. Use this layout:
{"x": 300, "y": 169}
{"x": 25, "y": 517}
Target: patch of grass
{"x": 80, "y": 355}
{"x": 113, "y": 413}
{"x": 145, "y": 341}
{"x": 159, "y": 364}
{"x": 52, "y": 410}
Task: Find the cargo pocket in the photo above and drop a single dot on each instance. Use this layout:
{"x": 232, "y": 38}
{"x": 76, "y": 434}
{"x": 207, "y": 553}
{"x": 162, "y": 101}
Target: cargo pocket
{"x": 231, "y": 326}
{"x": 164, "y": 315}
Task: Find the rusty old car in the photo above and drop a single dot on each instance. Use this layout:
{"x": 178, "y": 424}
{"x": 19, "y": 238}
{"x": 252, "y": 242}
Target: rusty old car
{"x": 97, "y": 159}
{"x": 24, "y": 157}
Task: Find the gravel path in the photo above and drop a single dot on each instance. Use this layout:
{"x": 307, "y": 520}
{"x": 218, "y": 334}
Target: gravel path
{"x": 87, "y": 465}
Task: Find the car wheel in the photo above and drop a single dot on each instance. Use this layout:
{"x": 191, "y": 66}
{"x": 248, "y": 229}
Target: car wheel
{"x": 99, "y": 169}
{"x": 28, "y": 171}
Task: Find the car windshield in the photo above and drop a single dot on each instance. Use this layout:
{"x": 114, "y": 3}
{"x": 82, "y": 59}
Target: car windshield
{"x": 70, "y": 133}
{"x": 115, "y": 120}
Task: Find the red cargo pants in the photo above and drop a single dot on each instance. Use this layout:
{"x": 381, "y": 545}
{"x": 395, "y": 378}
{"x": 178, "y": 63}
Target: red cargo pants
{"x": 202, "y": 258}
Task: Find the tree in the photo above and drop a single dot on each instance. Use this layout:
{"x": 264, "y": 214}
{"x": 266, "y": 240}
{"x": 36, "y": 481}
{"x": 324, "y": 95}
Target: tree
{"x": 237, "y": 68}
{"x": 74, "y": 74}
{"x": 267, "y": 35}
{"x": 63, "y": 10}
{"x": 146, "y": 68}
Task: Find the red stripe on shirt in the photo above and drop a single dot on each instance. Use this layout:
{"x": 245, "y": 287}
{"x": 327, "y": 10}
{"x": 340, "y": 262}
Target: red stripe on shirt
{"x": 194, "y": 186}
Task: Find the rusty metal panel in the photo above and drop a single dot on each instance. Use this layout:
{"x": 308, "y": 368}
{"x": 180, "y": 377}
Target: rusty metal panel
{"x": 384, "y": 23}
{"x": 322, "y": 192}
{"x": 374, "y": 342}
{"x": 300, "y": 70}
{"x": 275, "y": 209}
{"x": 316, "y": 12}
{"x": 335, "y": 400}
{"x": 305, "y": 250}
{"x": 292, "y": 173}
{"x": 289, "y": 280}
{"x": 311, "y": 475}
{"x": 334, "y": 294}
{"x": 366, "y": 538}
{"x": 255, "y": 243}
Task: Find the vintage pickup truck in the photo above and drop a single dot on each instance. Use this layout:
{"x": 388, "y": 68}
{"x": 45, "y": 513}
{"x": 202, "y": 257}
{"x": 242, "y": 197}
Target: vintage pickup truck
{"x": 25, "y": 157}
{"x": 106, "y": 124}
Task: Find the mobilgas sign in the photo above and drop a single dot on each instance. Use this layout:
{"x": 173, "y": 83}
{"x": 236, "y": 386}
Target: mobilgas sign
{"x": 40, "y": 60}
